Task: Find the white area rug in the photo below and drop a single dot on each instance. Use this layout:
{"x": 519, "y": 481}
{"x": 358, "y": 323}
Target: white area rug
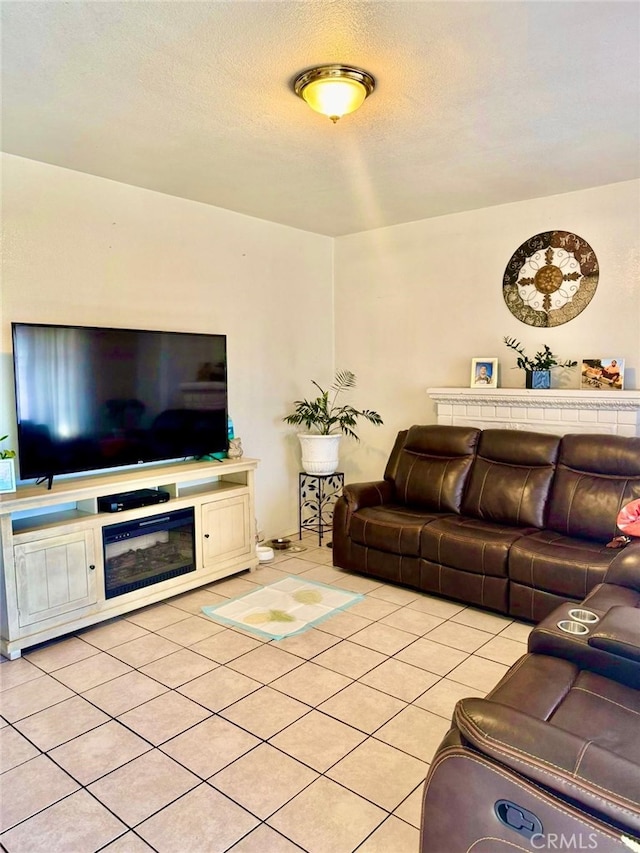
{"x": 284, "y": 608}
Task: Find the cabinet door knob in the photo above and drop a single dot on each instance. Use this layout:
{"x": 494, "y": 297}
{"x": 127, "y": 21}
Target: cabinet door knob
{"x": 91, "y": 568}
{"x": 206, "y": 535}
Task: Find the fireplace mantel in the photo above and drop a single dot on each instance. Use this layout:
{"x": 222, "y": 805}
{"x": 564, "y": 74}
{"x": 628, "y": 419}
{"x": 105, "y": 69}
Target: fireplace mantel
{"x": 554, "y": 411}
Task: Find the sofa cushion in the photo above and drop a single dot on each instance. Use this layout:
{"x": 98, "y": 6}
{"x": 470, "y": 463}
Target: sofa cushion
{"x": 392, "y": 528}
{"x": 603, "y": 712}
{"x": 511, "y": 477}
{"x": 433, "y": 467}
{"x": 470, "y": 544}
{"x": 552, "y": 678}
{"x": 575, "y": 700}
{"x": 564, "y": 565}
{"x": 593, "y": 482}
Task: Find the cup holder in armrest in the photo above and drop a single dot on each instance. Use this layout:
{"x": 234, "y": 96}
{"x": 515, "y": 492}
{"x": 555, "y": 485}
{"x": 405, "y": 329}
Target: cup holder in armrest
{"x": 571, "y": 626}
{"x": 588, "y": 617}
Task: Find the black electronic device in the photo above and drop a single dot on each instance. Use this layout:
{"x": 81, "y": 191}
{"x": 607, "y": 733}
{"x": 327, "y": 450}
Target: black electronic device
{"x": 91, "y": 398}
{"x": 132, "y": 500}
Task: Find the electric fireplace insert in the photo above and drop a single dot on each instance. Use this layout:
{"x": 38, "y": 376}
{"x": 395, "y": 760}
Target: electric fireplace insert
{"x": 148, "y": 550}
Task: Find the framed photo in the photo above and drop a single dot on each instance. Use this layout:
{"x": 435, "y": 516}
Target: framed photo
{"x": 484, "y": 372}
{"x": 602, "y": 374}
{"x": 7, "y": 476}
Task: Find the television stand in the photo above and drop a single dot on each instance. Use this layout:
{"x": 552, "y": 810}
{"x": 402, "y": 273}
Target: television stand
{"x": 53, "y": 572}
{"x": 48, "y": 478}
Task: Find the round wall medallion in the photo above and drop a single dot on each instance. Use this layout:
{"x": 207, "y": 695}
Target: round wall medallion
{"x": 550, "y": 279}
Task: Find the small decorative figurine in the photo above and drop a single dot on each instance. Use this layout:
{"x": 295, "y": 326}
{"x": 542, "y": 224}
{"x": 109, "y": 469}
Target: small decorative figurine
{"x": 235, "y": 448}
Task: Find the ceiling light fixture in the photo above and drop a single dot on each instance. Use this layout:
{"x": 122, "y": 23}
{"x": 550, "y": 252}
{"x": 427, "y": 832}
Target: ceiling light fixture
{"x": 334, "y": 90}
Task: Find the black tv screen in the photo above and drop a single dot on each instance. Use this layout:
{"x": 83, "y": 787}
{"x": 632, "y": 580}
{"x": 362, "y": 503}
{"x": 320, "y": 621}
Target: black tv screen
{"x": 90, "y": 398}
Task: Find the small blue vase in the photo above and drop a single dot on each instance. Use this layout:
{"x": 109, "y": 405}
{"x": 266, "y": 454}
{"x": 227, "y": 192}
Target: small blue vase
{"x": 538, "y": 379}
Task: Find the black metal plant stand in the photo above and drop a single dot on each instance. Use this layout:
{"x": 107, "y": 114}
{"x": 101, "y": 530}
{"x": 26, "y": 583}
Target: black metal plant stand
{"x": 317, "y": 495}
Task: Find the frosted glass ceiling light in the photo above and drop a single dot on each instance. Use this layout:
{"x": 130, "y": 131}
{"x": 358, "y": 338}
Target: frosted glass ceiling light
{"x": 334, "y": 90}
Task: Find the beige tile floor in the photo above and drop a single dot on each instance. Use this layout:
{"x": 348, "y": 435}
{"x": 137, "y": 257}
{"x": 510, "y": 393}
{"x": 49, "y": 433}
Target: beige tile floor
{"x": 165, "y": 731}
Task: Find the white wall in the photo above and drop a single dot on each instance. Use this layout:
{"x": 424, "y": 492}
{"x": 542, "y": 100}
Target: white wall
{"x": 84, "y": 250}
{"x": 415, "y": 303}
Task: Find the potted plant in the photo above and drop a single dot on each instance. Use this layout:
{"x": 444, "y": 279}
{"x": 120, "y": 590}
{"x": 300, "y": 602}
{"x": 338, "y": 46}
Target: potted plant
{"x": 7, "y": 470}
{"x": 327, "y": 422}
{"x": 6, "y": 454}
{"x": 537, "y": 369}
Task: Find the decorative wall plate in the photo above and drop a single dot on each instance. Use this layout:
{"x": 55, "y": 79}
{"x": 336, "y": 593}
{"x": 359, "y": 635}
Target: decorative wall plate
{"x": 550, "y": 278}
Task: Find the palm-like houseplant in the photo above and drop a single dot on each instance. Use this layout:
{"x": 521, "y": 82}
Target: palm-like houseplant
{"x": 326, "y": 419}
{"x": 325, "y": 416}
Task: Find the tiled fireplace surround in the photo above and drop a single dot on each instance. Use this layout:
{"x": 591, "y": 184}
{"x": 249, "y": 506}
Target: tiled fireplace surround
{"x": 555, "y": 411}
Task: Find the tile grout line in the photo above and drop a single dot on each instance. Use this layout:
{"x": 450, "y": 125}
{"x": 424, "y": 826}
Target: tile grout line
{"x": 262, "y": 740}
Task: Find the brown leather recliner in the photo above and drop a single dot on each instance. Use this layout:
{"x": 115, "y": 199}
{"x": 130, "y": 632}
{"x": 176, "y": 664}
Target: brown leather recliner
{"x": 512, "y": 521}
{"x": 550, "y": 759}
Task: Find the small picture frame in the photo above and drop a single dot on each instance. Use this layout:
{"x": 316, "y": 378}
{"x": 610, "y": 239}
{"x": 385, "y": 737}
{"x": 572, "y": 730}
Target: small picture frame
{"x": 7, "y": 476}
{"x": 484, "y": 372}
{"x": 602, "y": 374}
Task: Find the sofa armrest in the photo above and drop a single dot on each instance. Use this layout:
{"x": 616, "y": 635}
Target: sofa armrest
{"x": 575, "y": 768}
{"x": 360, "y": 495}
{"x": 602, "y": 657}
{"x": 619, "y": 633}
{"x": 624, "y": 569}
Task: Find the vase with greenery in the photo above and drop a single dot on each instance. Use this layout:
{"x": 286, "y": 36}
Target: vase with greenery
{"x": 537, "y": 369}
{"x": 326, "y": 420}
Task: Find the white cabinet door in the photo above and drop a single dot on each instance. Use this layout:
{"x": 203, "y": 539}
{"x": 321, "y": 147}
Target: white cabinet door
{"x": 226, "y": 530}
{"x": 55, "y": 575}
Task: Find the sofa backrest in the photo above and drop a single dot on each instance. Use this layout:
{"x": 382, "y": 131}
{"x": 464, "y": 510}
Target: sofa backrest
{"x": 433, "y": 466}
{"x": 511, "y": 477}
{"x": 595, "y": 477}
{"x": 391, "y": 468}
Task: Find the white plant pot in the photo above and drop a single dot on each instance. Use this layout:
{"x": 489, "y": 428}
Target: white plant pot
{"x": 319, "y": 453}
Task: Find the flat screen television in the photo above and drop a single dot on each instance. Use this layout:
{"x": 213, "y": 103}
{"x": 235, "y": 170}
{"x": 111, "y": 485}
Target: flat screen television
{"x": 91, "y": 398}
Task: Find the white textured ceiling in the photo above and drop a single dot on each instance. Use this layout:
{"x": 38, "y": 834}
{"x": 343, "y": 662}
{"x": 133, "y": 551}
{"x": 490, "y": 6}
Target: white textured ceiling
{"x": 477, "y": 103}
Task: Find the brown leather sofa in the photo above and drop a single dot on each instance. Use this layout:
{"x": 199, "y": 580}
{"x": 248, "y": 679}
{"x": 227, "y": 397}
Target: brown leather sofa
{"x": 550, "y": 759}
{"x": 512, "y": 521}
